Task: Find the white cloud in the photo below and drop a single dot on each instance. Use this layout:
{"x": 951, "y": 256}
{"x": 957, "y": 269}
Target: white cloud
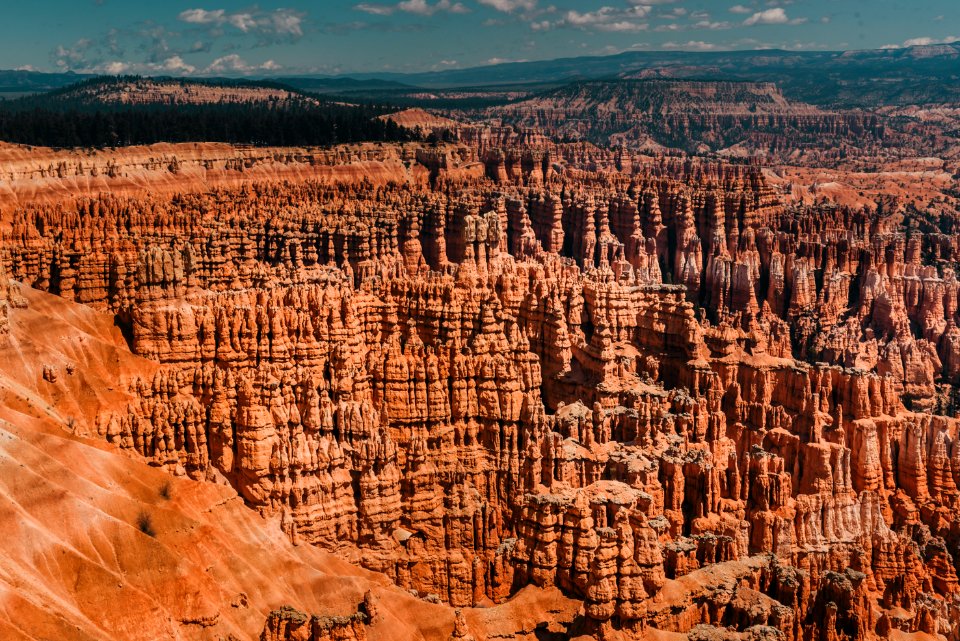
{"x": 153, "y": 49}
{"x": 608, "y": 19}
{"x": 923, "y": 41}
{"x": 69, "y": 57}
{"x": 288, "y": 22}
{"x": 509, "y": 6}
{"x": 235, "y": 64}
{"x": 280, "y": 22}
{"x": 375, "y": 9}
{"x": 242, "y": 21}
{"x": 174, "y": 64}
{"x": 623, "y": 26}
{"x": 769, "y": 16}
{"x": 416, "y": 7}
{"x": 713, "y": 26}
{"x": 115, "y": 68}
{"x": 202, "y": 16}
{"x": 692, "y": 45}
{"x": 917, "y": 42}
{"x": 423, "y": 8}
{"x": 739, "y": 8}
{"x": 503, "y": 61}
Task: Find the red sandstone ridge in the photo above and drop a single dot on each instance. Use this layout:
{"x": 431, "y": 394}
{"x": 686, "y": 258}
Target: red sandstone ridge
{"x": 533, "y": 389}
{"x": 36, "y": 174}
{"x": 419, "y": 118}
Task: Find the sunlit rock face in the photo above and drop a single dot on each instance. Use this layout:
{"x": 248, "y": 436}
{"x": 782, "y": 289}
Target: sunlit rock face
{"x": 512, "y": 363}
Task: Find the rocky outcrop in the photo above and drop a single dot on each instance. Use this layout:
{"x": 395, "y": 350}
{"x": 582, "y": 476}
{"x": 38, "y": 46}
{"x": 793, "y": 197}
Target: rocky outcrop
{"x": 650, "y": 114}
{"x": 661, "y": 391}
{"x": 290, "y": 624}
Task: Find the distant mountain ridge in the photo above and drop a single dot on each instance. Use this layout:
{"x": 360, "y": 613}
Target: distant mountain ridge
{"x": 919, "y": 74}
{"x": 137, "y": 90}
{"x": 928, "y": 73}
{"x": 16, "y": 82}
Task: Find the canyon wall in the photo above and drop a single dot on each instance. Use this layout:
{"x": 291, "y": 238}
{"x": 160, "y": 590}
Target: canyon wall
{"x": 662, "y": 391}
{"x": 732, "y": 119}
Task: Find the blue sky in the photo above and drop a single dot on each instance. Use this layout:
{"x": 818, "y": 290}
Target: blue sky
{"x": 221, "y": 37}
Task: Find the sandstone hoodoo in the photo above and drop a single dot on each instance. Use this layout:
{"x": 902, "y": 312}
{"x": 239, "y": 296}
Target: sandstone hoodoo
{"x": 665, "y": 392}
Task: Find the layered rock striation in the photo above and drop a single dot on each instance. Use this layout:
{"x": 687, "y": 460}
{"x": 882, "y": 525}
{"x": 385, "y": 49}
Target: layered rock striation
{"x": 695, "y": 116}
{"x": 660, "y": 390}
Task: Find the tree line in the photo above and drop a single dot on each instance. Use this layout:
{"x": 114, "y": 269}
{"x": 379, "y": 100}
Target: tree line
{"x": 60, "y": 120}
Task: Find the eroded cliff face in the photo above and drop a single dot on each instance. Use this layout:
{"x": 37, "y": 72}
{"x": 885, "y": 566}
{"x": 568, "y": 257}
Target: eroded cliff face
{"x": 732, "y": 119}
{"x": 30, "y": 175}
{"x": 751, "y": 118}
{"x": 661, "y": 391}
